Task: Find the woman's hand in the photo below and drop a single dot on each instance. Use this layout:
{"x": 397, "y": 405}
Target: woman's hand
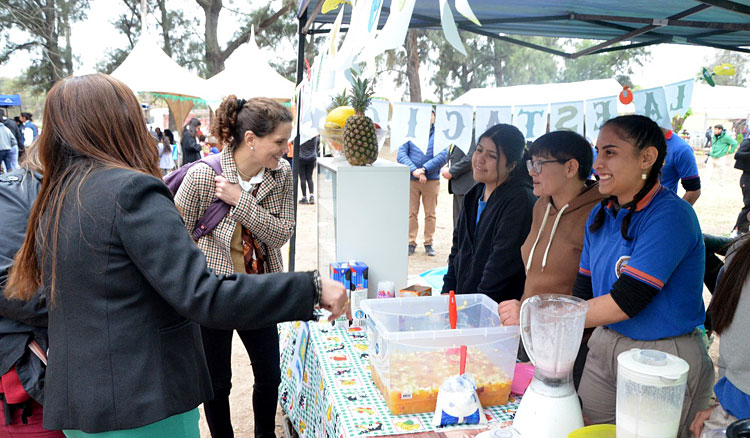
{"x": 700, "y": 418}
{"x": 510, "y": 312}
{"x": 227, "y": 192}
{"x": 333, "y": 299}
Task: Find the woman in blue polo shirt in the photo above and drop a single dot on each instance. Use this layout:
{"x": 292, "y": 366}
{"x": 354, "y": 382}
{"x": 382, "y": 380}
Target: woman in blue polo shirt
{"x": 642, "y": 268}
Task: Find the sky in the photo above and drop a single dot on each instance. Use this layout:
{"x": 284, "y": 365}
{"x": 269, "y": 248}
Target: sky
{"x": 94, "y": 37}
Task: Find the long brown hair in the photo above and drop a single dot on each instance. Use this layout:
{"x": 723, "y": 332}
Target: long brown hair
{"x": 90, "y": 122}
{"x": 727, "y": 295}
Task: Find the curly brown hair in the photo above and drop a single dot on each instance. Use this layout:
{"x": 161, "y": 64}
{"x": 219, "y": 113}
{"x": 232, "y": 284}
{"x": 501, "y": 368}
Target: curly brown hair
{"x": 235, "y": 116}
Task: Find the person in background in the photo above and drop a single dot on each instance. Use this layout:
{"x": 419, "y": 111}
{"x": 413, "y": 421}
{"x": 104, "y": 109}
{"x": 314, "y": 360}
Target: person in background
{"x": 308, "y": 155}
{"x": 722, "y": 144}
{"x": 709, "y": 136}
{"x": 459, "y": 177}
{"x": 560, "y": 166}
{"x": 176, "y": 150}
{"x": 680, "y": 165}
{"x": 7, "y": 143}
{"x": 425, "y": 184}
{"x": 258, "y": 185}
{"x": 495, "y": 220}
{"x": 23, "y": 325}
{"x": 15, "y": 128}
{"x": 159, "y": 134}
{"x": 641, "y": 270}
{"x": 742, "y": 162}
{"x": 729, "y": 307}
{"x": 191, "y": 149}
{"x": 125, "y": 348}
{"x": 165, "y": 155}
{"x": 30, "y": 131}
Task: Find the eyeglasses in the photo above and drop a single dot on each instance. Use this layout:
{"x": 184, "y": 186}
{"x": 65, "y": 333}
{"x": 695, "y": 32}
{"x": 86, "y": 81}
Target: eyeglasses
{"x": 536, "y": 166}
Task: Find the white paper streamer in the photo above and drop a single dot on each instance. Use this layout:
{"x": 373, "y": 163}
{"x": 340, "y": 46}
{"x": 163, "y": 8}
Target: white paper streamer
{"x": 463, "y": 7}
{"x": 449, "y": 27}
{"x": 393, "y": 33}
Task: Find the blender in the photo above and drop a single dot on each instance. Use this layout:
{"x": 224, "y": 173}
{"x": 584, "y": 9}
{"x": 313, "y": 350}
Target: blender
{"x": 551, "y": 331}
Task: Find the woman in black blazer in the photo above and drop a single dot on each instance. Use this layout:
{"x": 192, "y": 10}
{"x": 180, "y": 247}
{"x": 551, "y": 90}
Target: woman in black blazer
{"x": 125, "y": 350}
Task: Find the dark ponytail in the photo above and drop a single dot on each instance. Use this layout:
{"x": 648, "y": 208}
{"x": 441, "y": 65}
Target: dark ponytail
{"x": 724, "y": 302}
{"x": 235, "y": 116}
{"x": 642, "y": 132}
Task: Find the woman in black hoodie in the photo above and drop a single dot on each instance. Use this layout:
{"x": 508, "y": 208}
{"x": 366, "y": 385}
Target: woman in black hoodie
{"x": 495, "y": 219}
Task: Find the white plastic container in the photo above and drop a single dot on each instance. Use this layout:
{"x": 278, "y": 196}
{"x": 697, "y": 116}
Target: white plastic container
{"x": 650, "y": 392}
{"x": 413, "y": 349}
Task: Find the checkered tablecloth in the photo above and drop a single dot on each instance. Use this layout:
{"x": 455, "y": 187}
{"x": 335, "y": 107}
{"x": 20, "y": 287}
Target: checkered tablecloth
{"x": 327, "y": 391}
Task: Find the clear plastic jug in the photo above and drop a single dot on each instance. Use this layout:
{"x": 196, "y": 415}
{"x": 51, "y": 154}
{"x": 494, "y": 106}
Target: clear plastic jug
{"x": 650, "y": 392}
{"x": 551, "y": 330}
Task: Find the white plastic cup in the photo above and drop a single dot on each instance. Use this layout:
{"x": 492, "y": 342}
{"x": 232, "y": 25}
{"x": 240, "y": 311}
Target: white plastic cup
{"x": 386, "y": 289}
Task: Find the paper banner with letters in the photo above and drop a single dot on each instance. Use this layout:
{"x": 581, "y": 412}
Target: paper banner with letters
{"x": 566, "y": 116}
{"x": 652, "y": 103}
{"x": 489, "y": 116}
{"x": 531, "y": 120}
{"x": 411, "y": 122}
{"x": 678, "y": 97}
{"x": 598, "y": 111}
{"x": 455, "y": 127}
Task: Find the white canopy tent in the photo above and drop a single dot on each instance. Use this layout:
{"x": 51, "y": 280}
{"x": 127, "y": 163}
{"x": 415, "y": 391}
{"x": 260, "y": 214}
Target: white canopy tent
{"x": 540, "y": 93}
{"x": 148, "y": 69}
{"x": 247, "y": 74}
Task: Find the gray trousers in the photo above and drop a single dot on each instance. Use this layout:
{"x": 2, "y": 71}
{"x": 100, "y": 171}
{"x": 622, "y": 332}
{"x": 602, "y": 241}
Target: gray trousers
{"x": 598, "y": 389}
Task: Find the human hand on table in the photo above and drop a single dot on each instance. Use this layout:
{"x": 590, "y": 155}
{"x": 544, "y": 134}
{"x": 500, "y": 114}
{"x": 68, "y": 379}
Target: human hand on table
{"x": 333, "y": 299}
{"x": 700, "y": 418}
{"x": 227, "y": 192}
{"x": 509, "y": 312}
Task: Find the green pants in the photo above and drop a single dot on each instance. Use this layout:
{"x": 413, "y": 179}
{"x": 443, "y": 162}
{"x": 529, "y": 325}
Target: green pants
{"x": 183, "y": 425}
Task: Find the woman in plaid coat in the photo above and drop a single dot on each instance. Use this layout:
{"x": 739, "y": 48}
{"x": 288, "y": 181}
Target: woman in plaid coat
{"x": 257, "y": 184}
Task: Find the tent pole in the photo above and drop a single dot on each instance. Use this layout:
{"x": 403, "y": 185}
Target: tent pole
{"x": 295, "y": 155}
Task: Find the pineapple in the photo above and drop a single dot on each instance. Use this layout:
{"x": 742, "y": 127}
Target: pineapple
{"x": 360, "y": 141}
{"x": 338, "y": 100}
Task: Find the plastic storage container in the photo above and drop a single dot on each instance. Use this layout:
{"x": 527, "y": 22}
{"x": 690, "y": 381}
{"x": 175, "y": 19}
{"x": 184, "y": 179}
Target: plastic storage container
{"x": 413, "y": 349}
{"x": 650, "y": 392}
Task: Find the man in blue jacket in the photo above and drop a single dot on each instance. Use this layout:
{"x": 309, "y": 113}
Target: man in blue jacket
{"x": 424, "y": 183}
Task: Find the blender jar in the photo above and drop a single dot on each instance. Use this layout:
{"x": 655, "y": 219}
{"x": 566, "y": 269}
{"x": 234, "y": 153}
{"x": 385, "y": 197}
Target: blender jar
{"x": 650, "y": 392}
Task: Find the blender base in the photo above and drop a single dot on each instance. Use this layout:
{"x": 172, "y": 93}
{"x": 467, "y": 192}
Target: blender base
{"x": 549, "y": 417}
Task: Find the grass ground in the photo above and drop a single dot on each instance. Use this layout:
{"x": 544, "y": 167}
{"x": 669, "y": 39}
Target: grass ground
{"x": 717, "y": 209}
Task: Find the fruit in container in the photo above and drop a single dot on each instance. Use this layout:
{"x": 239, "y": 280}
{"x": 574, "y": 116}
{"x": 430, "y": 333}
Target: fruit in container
{"x": 360, "y": 140}
{"x": 338, "y": 116}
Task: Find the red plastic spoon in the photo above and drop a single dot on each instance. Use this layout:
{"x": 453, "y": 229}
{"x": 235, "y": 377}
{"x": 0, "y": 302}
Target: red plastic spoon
{"x": 453, "y": 316}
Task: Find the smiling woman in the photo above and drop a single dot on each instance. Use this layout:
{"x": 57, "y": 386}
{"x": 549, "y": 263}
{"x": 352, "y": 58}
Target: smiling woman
{"x": 257, "y": 183}
{"x": 495, "y": 219}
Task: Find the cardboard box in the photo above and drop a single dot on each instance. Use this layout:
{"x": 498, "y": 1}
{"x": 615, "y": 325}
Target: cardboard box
{"x": 340, "y": 272}
{"x": 416, "y": 290}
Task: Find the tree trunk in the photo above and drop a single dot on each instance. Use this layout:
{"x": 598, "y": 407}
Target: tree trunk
{"x": 166, "y": 26}
{"x": 51, "y": 47}
{"x": 214, "y": 56}
{"x": 412, "y": 66}
{"x": 498, "y": 64}
{"x": 68, "y": 48}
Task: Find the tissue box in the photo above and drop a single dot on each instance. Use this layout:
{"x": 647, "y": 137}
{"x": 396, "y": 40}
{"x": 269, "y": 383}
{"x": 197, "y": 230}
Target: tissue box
{"x": 416, "y": 290}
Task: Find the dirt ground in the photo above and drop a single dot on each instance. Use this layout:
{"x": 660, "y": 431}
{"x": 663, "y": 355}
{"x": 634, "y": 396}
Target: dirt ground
{"x": 717, "y": 209}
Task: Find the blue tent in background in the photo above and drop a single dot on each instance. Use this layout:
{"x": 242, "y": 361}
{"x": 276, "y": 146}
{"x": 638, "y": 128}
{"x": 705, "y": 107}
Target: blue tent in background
{"x": 7, "y": 100}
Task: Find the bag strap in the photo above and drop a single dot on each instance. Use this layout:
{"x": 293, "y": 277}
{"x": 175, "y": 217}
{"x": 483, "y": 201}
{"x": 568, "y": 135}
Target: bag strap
{"x": 217, "y": 210}
{"x": 38, "y": 351}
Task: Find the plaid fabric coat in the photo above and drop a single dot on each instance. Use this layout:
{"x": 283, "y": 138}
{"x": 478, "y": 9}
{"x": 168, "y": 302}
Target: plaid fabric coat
{"x": 269, "y": 216}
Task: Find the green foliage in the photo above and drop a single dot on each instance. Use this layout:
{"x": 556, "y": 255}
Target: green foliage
{"x": 678, "y": 121}
{"x": 618, "y": 64}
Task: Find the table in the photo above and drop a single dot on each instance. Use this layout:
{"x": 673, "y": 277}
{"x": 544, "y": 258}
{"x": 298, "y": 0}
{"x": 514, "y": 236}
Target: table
{"x": 327, "y": 391}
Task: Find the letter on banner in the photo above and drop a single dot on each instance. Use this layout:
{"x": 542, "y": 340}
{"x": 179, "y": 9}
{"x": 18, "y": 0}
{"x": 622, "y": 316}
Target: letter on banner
{"x": 378, "y": 112}
{"x": 679, "y": 96}
{"x": 652, "y": 103}
{"x": 598, "y": 111}
{"x": 411, "y": 122}
{"x": 531, "y": 120}
{"x": 489, "y": 116}
{"x": 453, "y": 126}
{"x": 566, "y": 116}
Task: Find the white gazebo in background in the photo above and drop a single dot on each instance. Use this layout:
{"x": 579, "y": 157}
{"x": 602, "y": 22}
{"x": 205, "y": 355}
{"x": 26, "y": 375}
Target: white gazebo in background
{"x": 149, "y": 69}
{"x": 247, "y": 74}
